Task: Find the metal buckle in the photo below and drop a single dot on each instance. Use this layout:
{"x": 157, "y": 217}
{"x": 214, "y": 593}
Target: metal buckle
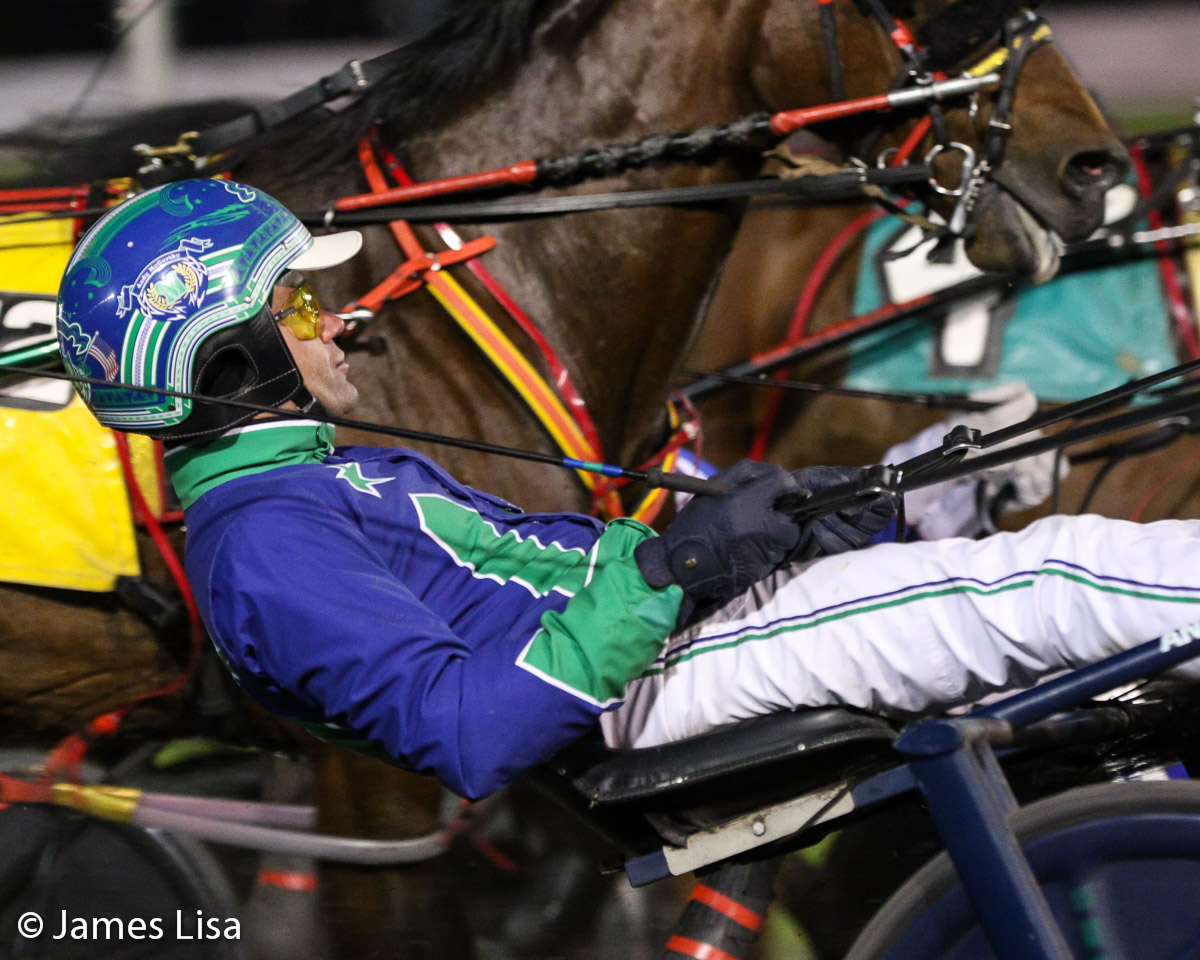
{"x": 180, "y": 148}
{"x": 961, "y": 439}
{"x": 968, "y": 167}
{"x": 881, "y": 161}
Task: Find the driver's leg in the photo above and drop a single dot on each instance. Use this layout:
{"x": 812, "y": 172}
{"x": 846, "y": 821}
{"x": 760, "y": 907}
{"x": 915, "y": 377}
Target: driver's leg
{"x": 921, "y": 626}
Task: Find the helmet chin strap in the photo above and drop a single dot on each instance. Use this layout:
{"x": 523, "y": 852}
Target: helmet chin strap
{"x": 308, "y": 403}
{"x": 305, "y": 402}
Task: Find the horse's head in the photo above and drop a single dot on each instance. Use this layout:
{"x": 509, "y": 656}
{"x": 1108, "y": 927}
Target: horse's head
{"x": 1053, "y": 155}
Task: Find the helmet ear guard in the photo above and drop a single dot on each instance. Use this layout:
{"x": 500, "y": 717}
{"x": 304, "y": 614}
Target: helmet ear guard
{"x": 249, "y": 362}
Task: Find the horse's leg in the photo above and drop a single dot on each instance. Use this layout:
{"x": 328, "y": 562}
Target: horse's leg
{"x": 383, "y": 912}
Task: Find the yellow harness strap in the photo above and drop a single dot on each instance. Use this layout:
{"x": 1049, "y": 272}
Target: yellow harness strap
{"x": 513, "y": 366}
{"x": 993, "y": 61}
{"x": 499, "y": 349}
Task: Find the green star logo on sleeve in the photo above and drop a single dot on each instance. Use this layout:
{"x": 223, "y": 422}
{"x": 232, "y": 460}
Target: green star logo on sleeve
{"x": 352, "y": 474}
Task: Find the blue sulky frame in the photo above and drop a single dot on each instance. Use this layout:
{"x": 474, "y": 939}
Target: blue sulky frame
{"x": 953, "y": 762}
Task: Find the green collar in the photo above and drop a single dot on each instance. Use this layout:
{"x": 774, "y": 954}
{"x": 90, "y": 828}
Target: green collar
{"x": 254, "y": 448}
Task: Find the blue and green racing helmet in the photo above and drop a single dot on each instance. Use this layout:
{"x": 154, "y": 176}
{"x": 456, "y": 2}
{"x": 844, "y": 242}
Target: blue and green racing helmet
{"x": 172, "y": 289}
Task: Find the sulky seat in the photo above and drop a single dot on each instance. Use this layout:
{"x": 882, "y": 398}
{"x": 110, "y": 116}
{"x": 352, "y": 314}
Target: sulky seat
{"x": 772, "y": 783}
{"x": 751, "y": 749}
{"x": 734, "y": 788}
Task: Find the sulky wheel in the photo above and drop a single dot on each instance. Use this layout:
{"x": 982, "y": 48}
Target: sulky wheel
{"x": 1119, "y": 864}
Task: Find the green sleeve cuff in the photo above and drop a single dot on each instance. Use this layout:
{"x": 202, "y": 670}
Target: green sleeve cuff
{"x": 612, "y": 629}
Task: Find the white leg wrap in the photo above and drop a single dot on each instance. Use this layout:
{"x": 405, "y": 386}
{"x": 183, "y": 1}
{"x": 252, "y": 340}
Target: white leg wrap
{"x": 916, "y": 627}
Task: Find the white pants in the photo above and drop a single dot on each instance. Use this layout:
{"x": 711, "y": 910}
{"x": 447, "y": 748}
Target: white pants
{"x": 910, "y": 628}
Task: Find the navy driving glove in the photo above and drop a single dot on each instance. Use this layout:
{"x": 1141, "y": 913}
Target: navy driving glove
{"x": 720, "y": 546}
{"x": 848, "y": 529}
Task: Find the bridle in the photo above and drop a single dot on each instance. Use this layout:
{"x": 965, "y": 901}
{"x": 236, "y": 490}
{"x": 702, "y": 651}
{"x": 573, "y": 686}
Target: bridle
{"x": 1020, "y": 33}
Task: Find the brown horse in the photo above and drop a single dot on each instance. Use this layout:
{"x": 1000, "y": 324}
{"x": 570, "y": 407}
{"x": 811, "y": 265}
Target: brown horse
{"x": 619, "y": 295}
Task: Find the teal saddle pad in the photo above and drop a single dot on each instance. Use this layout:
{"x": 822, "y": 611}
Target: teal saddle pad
{"x": 1070, "y": 338}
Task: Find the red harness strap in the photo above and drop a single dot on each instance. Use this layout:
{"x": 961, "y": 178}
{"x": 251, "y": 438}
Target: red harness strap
{"x": 46, "y": 200}
{"x": 798, "y": 328}
{"x": 559, "y": 374}
{"x": 422, "y": 267}
{"x": 410, "y": 275}
{"x": 65, "y": 758}
{"x": 1168, "y": 271}
{"x": 39, "y": 199}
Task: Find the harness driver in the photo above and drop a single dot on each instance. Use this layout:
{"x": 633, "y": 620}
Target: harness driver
{"x": 370, "y": 596}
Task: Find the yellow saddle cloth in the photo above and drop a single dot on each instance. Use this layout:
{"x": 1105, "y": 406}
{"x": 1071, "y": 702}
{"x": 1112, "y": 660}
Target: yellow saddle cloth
{"x": 66, "y": 519}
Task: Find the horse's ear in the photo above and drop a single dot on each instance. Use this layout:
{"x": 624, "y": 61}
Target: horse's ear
{"x": 564, "y": 20}
{"x": 964, "y": 27}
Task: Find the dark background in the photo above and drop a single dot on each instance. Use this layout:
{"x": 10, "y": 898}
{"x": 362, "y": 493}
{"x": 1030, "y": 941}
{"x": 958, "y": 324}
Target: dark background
{"x": 32, "y": 27}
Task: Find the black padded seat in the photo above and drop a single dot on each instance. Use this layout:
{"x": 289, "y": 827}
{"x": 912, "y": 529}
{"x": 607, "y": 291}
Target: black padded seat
{"x": 737, "y": 751}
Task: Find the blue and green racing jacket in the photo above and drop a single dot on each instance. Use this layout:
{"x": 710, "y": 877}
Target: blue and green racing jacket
{"x": 368, "y": 595}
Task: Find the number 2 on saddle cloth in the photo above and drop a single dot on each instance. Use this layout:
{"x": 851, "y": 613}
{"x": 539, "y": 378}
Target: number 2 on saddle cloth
{"x": 562, "y": 413}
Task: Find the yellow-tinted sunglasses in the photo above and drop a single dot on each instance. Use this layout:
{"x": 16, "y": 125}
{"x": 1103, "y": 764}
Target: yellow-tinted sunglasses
{"x": 301, "y": 314}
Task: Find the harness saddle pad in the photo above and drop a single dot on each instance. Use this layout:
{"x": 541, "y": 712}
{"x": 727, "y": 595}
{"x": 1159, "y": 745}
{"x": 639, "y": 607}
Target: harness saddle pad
{"x": 66, "y": 520}
{"x": 1067, "y": 339}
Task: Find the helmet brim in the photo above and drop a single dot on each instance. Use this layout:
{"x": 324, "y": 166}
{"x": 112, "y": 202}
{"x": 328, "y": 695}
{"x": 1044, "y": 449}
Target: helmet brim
{"x": 328, "y": 251}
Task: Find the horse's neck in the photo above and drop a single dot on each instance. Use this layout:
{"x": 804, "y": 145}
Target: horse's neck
{"x": 618, "y": 295}
{"x": 641, "y": 68}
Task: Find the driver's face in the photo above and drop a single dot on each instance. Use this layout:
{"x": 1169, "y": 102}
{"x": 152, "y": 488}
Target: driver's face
{"x": 320, "y": 361}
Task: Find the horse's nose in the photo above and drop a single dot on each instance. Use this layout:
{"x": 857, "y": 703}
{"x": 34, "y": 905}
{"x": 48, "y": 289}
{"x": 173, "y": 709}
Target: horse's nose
{"x": 1089, "y": 174}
